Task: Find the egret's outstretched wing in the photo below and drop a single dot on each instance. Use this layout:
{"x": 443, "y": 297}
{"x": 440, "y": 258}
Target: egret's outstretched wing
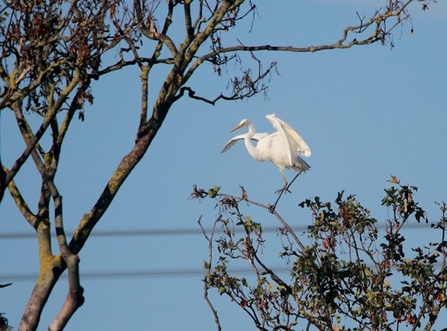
{"x": 257, "y": 137}
{"x": 292, "y": 138}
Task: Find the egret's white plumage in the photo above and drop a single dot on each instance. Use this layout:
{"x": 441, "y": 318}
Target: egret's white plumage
{"x": 281, "y": 147}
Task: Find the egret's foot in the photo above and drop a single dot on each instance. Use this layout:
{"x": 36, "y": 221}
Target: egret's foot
{"x": 285, "y": 189}
{"x": 280, "y": 192}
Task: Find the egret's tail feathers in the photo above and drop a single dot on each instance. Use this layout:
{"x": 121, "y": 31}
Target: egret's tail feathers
{"x": 301, "y": 165}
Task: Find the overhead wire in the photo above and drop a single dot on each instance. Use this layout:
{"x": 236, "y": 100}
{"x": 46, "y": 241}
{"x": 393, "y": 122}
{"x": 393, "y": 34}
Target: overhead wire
{"x": 162, "y": 273}
{"x": 144, "y": 274}
{"x": 169, "y": 232}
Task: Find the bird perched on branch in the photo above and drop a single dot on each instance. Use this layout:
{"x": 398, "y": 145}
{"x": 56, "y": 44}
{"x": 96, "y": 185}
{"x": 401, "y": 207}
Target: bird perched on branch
{"x": 281, "y": 147}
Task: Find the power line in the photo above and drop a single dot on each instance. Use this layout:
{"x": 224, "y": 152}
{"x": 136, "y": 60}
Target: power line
{"x": 115, "y": 233}
{"x": 169, "y": 232}
{"x": 166, "y": 273}
{"x": 161, "y": 273}
{"x": 113, "y": 274}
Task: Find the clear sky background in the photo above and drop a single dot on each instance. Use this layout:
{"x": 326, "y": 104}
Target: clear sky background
{"x": 366, "y": 113}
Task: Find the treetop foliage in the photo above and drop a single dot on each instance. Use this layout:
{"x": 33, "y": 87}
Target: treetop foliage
{"x": 347, "y": 274}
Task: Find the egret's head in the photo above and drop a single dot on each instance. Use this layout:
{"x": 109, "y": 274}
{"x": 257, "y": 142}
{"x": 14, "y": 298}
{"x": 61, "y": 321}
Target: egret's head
{"x": 241, "y": 124}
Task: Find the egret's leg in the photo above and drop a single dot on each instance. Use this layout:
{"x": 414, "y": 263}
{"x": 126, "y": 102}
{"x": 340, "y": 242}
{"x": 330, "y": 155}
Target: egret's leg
{"x": 285, "y": 188}
{"x": 286, "y": 184}
{"x": 293, "y": 180}
{"x": 280, "y": 191}
{"x": 272, "y": 208}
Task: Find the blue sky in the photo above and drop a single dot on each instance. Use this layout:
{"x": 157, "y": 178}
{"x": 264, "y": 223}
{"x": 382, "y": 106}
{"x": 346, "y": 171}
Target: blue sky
{"x": 366, "y": 113}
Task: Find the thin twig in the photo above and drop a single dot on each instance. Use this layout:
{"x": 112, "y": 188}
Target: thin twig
{"x": 210, "y": 261}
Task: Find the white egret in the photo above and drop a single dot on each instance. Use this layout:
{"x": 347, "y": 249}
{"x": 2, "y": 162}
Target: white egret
{"x": 281, "y": 147}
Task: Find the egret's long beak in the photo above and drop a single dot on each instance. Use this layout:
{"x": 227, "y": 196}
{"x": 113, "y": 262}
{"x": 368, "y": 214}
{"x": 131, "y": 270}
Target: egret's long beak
{"x": 240, "y": 125}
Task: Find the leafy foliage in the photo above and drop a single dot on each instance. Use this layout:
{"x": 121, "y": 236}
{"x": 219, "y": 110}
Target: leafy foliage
{"x": 4, "y": 323}
{"x": 348, "y": 275}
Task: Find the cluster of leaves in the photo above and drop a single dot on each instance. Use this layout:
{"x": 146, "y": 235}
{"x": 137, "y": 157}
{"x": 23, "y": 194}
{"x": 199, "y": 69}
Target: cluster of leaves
{"x": 4, "y": 326}
{"x": 45, "y": 44}
{"x": 346, "y": 277}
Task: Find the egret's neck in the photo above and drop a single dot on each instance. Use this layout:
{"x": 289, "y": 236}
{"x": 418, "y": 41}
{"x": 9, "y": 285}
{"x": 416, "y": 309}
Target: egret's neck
{"x": 248, "y": 143}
